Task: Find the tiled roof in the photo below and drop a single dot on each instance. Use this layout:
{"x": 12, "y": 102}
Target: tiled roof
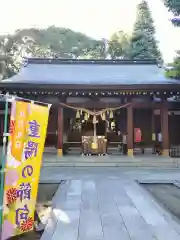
{"x": 90, "y": 72}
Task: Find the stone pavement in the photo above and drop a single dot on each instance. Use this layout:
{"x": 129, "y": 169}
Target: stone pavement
{"x": 108, "y": 204}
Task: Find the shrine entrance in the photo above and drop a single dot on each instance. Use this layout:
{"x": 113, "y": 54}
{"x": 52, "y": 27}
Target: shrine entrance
{"x": 93, "y": 131}
{"x": 90, "y": 131}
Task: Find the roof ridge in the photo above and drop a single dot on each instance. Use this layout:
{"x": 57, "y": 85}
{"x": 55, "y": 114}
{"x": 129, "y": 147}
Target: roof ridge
{"x": 89, "y": 61}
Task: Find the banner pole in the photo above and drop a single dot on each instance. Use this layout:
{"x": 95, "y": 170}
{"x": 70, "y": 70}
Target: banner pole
{"x": 3, "y": 161}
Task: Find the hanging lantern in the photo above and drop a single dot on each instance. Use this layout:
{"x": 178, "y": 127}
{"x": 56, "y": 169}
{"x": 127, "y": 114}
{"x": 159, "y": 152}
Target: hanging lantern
{"x": 77, "y": 114}
{"x": 103, "y": 116}
{"x": 111, "y": 114}
{"x": 86, "y": 117}
{"x": 113, "y": 125}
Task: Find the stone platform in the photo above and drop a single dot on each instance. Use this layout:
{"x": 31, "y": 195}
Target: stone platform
{"x": 152, "y": 161}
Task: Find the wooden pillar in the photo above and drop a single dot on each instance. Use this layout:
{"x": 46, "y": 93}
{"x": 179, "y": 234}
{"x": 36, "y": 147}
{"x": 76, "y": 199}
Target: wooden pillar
{"x": 130, "y": 131}
{"x": 165, "y": 131}
{"x": 60, "y": 132}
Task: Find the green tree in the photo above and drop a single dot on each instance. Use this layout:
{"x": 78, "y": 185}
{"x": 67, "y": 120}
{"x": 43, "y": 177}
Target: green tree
{"x": 50, "y": 42}
{"x": 7, "y": 55}
{"x": 143, "y": 42}
{"x": 174, "y": 7}
{"x": 173, "y": 69}
{"x": 62, "y": 42}
{"x": 115, "y": 47}
{"x": 119, "y": 45}
{"x": 97, "y": 50}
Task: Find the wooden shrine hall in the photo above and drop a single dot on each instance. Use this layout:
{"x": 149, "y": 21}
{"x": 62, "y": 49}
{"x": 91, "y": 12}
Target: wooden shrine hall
{"x": 99, "y": 104}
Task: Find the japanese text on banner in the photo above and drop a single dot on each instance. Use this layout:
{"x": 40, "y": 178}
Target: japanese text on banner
{"x": 18, "y": 129}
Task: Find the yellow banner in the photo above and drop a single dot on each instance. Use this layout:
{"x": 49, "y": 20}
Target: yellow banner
{"x": 22, "y": 178}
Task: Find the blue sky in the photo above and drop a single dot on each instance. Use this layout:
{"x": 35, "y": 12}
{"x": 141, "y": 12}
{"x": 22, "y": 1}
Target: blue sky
{"x": 96, "y": 18}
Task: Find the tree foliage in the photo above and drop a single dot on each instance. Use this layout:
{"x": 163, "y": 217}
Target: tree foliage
{"x": 51, "y": 42}
{"x": 143, "y": 42}
{"x": 61, "y": 42}
{"x": 173, "y": 69}
{"x": 174, "y": 7}
{"x": 119, "y": 45}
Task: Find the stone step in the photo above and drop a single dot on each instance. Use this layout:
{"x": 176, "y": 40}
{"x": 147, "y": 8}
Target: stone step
{"x": 111, "y": 164}
{"x": 89, "y": 161}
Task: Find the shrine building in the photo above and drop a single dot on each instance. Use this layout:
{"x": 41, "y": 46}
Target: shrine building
{"x": 95, "y": 103}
